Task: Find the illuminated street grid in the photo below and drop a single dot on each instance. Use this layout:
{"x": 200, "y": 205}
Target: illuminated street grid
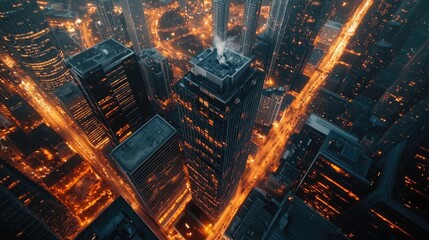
{"x": 199, "y": 26}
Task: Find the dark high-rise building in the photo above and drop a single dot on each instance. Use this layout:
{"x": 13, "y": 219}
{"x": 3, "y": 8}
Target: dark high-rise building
{"x": 118, "y": 221}
{"x": 158, "y": 74}
{"x": 218, "y": 101}
{"x": 110, "y": 78}
{"x": 399, "y": 207}
{"x": 406, "y": 127}
{"x": 278, "y": 15}
{"x": 151, "y": 160}
{"x": 269, "y": 105}
{"x": 110, "y": 25}
{"x": 40, "y": 206}
{"x": 295, "y": 37}
{"x": 25, "y": 32}
{"x": 78, "y": 108}
{"x": 412, "y": 83}
{"x": 136, "y": 24}
{"x": 337, "y": 178}
{"x": 252, "y": 9}
{"x": 18, "y": 222}
{"x": 220, "y": 9}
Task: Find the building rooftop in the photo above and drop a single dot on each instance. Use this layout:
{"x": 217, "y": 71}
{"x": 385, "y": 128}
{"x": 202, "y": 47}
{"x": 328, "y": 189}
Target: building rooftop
{"x": 68, "y": 93}
{"x": 253, "y": 217}
{"x": 219, "y": 68}
{"x": 347, "y": 154}
{"x": 118, "y": 221}
{"x": 143, "y": 143}
{"x": 296, "y": 220}
{"x": 151, "y": 53}
{"x": 102, "y": 54}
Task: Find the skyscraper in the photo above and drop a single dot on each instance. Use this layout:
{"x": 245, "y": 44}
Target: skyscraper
{"x": 278, "y": 15}
{"x": 25, "y": 32}
{"x": 217, "y": 102}
{"x": 78, "y": 108}
{"x": 411, "y": 84}
{"x": 406, "y": 127}
{"x": 136, "y": 24}
{"x": 398, "y": 207}
{"x": 220, "y": 9}
{"x": 110, "y": 26}
{"x": 118, "y": 221}
{"x": 252, "y": 9}
{"x": 158, "y": 74}
{"x": 295, "y": 37}
{"x": 269, "y": 105}
{"x": 18, "y": 222}
{"x": 110, "y": 78}
{"x": 19, "y": 189}
{"x": 337, "y": 178}
{"x": 152, "y": 162}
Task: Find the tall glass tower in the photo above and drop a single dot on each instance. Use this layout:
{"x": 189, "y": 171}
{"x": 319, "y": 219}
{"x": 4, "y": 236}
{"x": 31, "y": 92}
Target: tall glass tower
{"x": 220, "y": 19}
{"x": 109, "y": 76}
{"x": 136, "y": 24}
{"x": 252, "y": 9}
{"x": 110, "y": 26}
{"x": 218, "y": 101}
{"x": 25, "y": 32}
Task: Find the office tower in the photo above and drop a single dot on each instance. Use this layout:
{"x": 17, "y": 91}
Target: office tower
{"x": 18, "y": 222}
{"x": 277, "y": 18}
{"x": 252, "y": 9}
{"x": 109, "y": 25}
{"x": 78, "y": 108}
{"x": 158, "y": 74}
{"x": 269, "y": 105}
{"x": 220, "y": 11}
{"x": 337, "y": 178}
{"x": 136, "y": 24}
{"x": 24, "y": 193}
{"x": 411, "y": 84}
{"x": 295, "y": 37}
{"x": 398, "y": 208}
{"x": 152, "y": 162}
{"x": 118, "y": 221}
{"x": 406, "y": 127}
{"x": 217, "y": 104}
{"x": 109, "y": 76}
{"x": 27, "y": 35}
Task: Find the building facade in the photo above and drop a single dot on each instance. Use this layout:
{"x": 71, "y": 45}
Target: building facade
{"x": 157, "y": 73}
{"x": 252, "y": 9}
{"x": 269, "y": 105}
{"x": 220, "y": 9}
{"x": 136, "y": 24}
{"x": 217, "y": 102}
{"x": 109, "y": 76}
{"x": 41, "y": 209}
{"x": 153, "y": 163}
{"x": 25, "y": 32}
{"x": 110, "y": 25}
{"x": 337, "y": 178}
{"x": 78, "y": 108}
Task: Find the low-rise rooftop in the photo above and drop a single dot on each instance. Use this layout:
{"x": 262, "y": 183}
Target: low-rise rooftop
{"x": 143, "y": 143}
{"x": 296, "y": 220}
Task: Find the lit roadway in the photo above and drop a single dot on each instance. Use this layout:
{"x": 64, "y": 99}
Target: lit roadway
{"x": 270, "y": 153}
{"x": 76, "y": 138}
